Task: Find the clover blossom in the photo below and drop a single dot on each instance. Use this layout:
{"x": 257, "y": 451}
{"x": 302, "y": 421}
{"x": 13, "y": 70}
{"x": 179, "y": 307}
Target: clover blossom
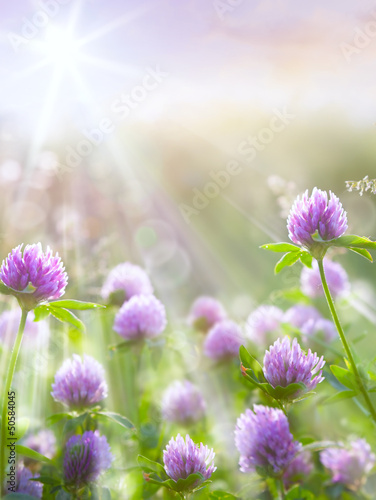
{"x": 129, "y": 278}
{"x": 206, "y": 312}
{"x": 182, "y": 402}
{"x": 223, "y": 341}
{"x": 263, "y": 320}
{"x": 336, "y": 276}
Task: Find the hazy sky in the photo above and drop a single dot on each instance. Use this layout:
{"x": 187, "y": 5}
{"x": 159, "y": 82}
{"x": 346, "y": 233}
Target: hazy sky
{"x": 257, "y": 52}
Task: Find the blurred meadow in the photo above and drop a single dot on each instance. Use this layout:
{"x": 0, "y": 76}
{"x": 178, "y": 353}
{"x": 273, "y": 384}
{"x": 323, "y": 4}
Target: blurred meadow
{"x": 114, "y": 117}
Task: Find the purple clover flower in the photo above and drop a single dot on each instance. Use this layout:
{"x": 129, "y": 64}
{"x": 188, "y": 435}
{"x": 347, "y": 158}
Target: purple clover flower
{"x": 324, "y": 326}
{"x": 35, "y": 333}
{"x": 299, "y": 315}
{"x": 223, "y": 341}
{"x": 142, "y": 316}
{"x": 350, "y": 464}
{"x": 298, "y": 470}
{"x": 43, "y": 442}
{"x": 183, "y": 458}
{"x": 129, "y": 278}
{"x": 42, "y": 274}
{"x": 24, "y": 485}
{"x": 264, "y": 440}
{"x": 316, "y": 213}
{"x": 286, "y": 364}
{"x": 80, "y": 383}
{"x": 263, "y": 320}
{"x": 336, "y": 277}
{"x": 205, "y": 312}
{"x": 86, "y": 457}
{"x": 183, "y": 403}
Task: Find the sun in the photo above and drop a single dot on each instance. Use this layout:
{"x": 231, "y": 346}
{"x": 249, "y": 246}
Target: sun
{"x": 59, "y": 47}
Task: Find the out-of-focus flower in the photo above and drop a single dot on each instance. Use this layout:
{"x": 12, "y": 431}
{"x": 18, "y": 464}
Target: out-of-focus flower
{"x": 336, "y": 277}
{"x": 142, "y": 316}
{"x": 205, "y": 312}
{"x": 299, "y": 315}
{"x": 24, "y": 485}
{"x": 323, "y": 326}
{"x": 130, "y": 279}
{"x": 33, "y": 275}
{"x": 286, "y": 364}
{"x": 263, "y": 320}
{"x": 350, "y": 464}
{"x": 43, "y": 442}
{"x": 298, "y": 470}
{"x": 223, "y": 340}
{"x": 264, "y": 440}
{"x": 80, "y": 383}
{"x": 182, "y": 458}
{"x": 183, "y": 403}
{"x": 35, "y": 333}
{"x": 86, "y": 457}
{"x": 316, "y": 213}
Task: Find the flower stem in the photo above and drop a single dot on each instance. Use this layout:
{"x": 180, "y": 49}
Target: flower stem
{"x": 7, "y": 387}
{"x": 282, "y": 488}
{"x": 346, "y": 346}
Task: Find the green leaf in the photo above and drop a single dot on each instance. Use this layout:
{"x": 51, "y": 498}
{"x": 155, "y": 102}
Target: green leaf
{"x": 66, "y": 316}
{"x": 116, "y": 417}
{"x": 27, "y": 452}
{"x": 150, "y": 465}
{"x": 298, "y": 493}
{"x": 53, "y": 419}
{"x": 344, "y": 376}
{"x": 306, "y": 259}
{"x": 284, "y": 393}
{"x": 340, "y": 396}
{"x": 288, "y": 259}
{"x": 22, "y": 426}
{"x": 281, "y": 247}
{"x": 4, "y": 289}
{"x": 79, "y": 305}
{"x": 352, "y": 240}
{"x": 251, "y": 363}
{"x": 188, "y": 483}
{"x": 41, "y": 312}
{"x": 221, "y": 495}
{"x": 47, "y": 480}
{"x": 363, "y": 252}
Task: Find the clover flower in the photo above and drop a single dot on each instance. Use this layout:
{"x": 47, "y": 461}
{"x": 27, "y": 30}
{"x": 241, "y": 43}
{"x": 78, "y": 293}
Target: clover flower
{"x": 336, "y": 277}
{"x": 183, "y": 403}
{"x": 43, "y": 442}
{"x": 33, "y": 275}
{"x": 142, "y": 316}
{"x": 299, "y": 315}
{"x": 223, "y": 340}
{"x": 323, "y": 326}
{"x": 264, "y": 440}
{"x": 349, "y": 464}
{"x": 263, "y": 320}
{"x": 316, "y": 213}
{"x": 286, "y": 364}
{"x": 130, "y": 279}
{"x": 182, "y": 458}
{"x": 80, "y": 383}
{"x": 86, "y": 457}
{"x": 24, "y": 485}
{"x": 298, "y": 470}
{"x": 205, "y": 312}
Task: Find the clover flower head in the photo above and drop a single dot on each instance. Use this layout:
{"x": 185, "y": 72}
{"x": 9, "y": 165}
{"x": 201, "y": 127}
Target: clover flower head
{"x": 223, "y": 340}
{"x": 349, "y": 464}
{"x": 264, "y": 440}
{"x": 129, "y": 278}
{"x": 316, "y": 213}
{"x": 86, "y": 457}
{"x": 287, "y": 363}
{"x": 80, "y": 383}
{"x": 263, "y": 320}
{"x": 33, "y": 275}
{"x": 324, "y": 326}
{"x": 24, "y": 485}
{"x": 336, "y": 277}
{"x": 182, "y": 402}
{"x": 43, "y": 442}
{"x": 183, "y": 458}
{"x": 205, "y": 312}
{"x": 298, "y": 315}
{"x": 298, "y": 470}
{"x": 142, "y": 316}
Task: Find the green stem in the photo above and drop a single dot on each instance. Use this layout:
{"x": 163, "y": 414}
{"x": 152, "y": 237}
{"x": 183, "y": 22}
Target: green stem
{"x": 282, "y": 488}
{"x": 344, "y": 341}
{"x": 7, "y": 387}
